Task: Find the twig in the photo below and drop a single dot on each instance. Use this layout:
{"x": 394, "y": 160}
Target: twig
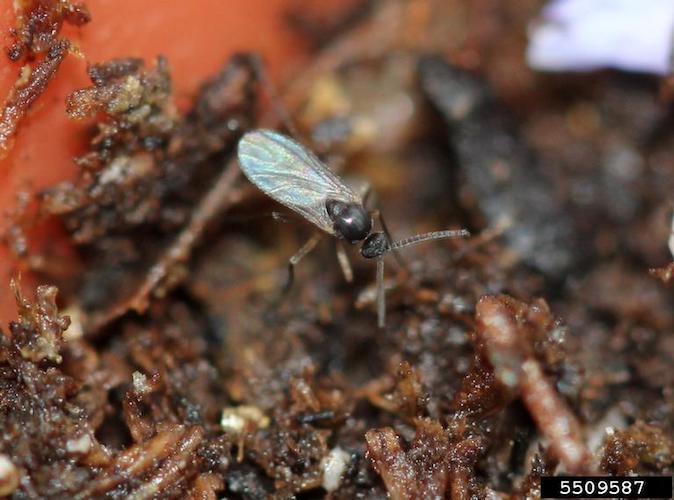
{"x": 500, "y": 328}
{"x": 217, "y": 200}
{"x": 21, "y": 98}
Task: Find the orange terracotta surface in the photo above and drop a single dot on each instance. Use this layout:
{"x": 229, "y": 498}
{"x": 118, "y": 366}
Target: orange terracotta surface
{"x": 197, "y": 36}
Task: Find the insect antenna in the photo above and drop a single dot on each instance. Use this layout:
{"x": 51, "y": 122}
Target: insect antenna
{"x": 378, "y": 244}
{"x": 434, "y": 235}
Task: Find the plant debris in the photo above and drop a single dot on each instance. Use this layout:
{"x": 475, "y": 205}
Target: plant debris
{"x": 39, "y": 333}
{"x": 147, "y": 167}
{"x": 39, "y": 46}
{"x": 540, "y": 346}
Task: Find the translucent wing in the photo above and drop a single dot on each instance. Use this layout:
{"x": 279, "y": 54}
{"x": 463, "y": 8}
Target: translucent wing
{"x": 292, "y": 175}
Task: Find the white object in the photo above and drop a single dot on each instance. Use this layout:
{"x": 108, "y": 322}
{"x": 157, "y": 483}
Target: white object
{"x": 582, "y": 35}
{"x": 9, "y": 476}
{"x": 80, "y": 445}
{"x": 334, "y": 464}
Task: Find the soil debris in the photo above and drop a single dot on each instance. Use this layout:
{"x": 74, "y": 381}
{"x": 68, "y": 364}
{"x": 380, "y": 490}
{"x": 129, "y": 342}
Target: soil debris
{"x": 147, "y": 168}
{"x": 38, "y": 45}
{"x": 639, "y": 449}
{"x": 508, "y": 185}
{"x": 39, "y": 23}
{"x": 517, "y": 354}
{"x": 24, "y": 94}
{"x": 39, "y": 332}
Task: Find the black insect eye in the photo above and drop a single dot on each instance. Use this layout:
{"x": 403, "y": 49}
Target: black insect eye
{"x": 374, "y": 245}
{"x": 352, "y": 222}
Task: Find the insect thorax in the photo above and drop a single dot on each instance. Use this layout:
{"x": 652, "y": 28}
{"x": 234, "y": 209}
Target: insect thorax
{"x": 351, "y": 221}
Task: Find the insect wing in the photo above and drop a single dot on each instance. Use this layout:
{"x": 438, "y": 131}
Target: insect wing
{"x": 292, "y": 175}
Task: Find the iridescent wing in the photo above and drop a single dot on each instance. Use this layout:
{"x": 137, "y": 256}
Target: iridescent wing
{"x": 292, "y": 175}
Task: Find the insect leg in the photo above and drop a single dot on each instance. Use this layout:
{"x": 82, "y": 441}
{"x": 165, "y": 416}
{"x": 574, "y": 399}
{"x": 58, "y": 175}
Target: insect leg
{"x": 368, "y": 196}
{"x": 381, "y": 294}
{"x": 295, "y": 259}
{"x": 258, "y": 66}
{"x": 344, "y": 263}
{"x": 401, "y": 262}
{"x": 364, "y": 189}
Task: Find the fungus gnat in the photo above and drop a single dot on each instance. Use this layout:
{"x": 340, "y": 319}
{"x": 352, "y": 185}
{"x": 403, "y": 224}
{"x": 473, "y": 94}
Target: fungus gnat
{"x": 293, "y": 176}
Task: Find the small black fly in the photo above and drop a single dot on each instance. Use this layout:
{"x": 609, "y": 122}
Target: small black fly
{"x": 292, "y": 175}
